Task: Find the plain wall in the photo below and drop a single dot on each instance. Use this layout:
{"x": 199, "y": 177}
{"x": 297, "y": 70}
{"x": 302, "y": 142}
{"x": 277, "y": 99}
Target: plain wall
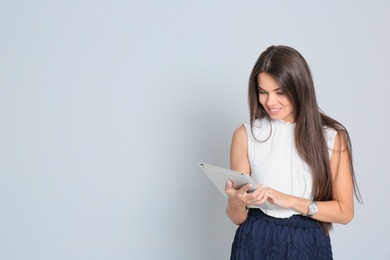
{"x": 107, "y": 106}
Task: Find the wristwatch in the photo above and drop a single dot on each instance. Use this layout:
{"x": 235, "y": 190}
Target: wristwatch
{"x": 313, "y": 209}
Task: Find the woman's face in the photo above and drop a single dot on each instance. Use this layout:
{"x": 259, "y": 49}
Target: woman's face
{"x": 274, "y": 101}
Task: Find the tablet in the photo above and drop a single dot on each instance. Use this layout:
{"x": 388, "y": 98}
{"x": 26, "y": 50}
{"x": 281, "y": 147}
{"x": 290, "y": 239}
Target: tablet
{"x": 219, "y": 176}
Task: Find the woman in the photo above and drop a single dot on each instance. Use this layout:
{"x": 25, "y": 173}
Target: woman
{"x": 301, "y": 160}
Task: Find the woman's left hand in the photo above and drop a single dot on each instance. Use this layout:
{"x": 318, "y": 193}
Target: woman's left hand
{"x": 278, "y": 198}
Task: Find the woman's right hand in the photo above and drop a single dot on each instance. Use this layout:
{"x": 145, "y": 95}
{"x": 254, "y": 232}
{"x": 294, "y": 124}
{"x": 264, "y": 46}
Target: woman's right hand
{"x": 242, "y": 198}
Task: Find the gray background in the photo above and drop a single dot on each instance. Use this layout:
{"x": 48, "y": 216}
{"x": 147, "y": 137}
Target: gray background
{"x": 107, "y": 106}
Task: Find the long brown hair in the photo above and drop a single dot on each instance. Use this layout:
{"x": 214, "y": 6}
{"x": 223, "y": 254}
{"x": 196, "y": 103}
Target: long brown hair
{"x": 290, "y": 70}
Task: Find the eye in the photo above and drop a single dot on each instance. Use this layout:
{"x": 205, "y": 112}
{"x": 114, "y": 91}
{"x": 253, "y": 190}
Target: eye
{"x": 280, "y": 93}
{"x": 261, "y": 92}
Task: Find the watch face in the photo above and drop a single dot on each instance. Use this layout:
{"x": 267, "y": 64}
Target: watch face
{"x": 313, "y": 208}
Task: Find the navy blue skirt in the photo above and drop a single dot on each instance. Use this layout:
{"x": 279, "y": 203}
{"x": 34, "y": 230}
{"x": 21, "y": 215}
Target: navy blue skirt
{"x": 265, "y": 237}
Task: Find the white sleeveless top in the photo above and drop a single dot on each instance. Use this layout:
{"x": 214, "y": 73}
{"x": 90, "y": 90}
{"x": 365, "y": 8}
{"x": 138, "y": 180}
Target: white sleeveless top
{"x": 275, "y": 162}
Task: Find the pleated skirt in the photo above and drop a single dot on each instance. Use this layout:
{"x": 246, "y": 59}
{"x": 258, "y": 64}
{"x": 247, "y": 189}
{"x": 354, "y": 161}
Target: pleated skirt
{"x": 265, "y": 237}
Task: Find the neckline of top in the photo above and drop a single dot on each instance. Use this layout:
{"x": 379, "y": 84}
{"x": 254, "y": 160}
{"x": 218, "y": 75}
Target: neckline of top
{"x": 285, "y": 122}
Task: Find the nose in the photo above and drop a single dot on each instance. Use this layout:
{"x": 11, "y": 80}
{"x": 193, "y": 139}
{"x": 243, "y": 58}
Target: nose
{"x": 270, "y": 100}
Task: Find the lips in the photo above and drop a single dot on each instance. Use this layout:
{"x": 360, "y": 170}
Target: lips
{"x": 274, "y": 110}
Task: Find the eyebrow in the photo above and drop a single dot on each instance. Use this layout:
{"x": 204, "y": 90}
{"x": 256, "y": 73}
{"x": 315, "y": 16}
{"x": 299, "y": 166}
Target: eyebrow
{"x": 276, "y": 89}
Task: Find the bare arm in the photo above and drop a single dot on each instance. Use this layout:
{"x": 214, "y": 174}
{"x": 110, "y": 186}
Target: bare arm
{"x": 341, "y": 208}
{"x": 240, "y": 199}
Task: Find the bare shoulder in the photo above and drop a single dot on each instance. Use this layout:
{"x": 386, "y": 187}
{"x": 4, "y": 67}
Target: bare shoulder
{"x": 340, "y": 161}
{"x": 239, "y": 151}
{"x": 240, "y": 134}
{"x": 341, "y": 142}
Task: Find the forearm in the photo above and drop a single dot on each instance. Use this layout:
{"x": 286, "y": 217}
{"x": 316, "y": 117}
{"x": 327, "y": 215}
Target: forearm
{"x": 334, "y": 212}
{"x": 236, "y": 214}
{"x": 328, "y": 211}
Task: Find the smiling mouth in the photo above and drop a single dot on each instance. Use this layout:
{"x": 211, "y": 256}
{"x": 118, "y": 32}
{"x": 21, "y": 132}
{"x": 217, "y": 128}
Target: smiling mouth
{"x": 274, "y": 110}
